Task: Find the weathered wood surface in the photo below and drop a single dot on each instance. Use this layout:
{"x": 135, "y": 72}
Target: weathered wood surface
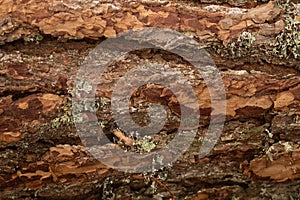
{"x": 42, "y": 156}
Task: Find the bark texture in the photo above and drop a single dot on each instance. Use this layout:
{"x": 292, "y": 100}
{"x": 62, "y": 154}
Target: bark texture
{"x": 254, "y": 45}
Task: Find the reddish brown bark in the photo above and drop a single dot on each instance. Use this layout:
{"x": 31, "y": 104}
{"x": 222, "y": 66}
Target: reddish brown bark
{"x": 42, "y": 157}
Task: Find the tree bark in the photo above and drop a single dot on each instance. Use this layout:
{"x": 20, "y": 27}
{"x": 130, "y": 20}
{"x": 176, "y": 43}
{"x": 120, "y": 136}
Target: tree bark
{"x": 254, "y": 46}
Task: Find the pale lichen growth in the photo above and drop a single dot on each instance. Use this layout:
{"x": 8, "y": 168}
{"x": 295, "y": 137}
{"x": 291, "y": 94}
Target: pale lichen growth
{"x": 287, "y": 43}
{"x": 144, "y": 144}
{"x": 225, "y": 10}
{"x": 246, "y": 39}
{"x": 242, "y": 46}
{"x": 280, "y": 147}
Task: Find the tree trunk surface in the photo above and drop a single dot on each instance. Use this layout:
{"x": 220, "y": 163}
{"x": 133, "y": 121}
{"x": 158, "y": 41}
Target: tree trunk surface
{"x": 255, "y": 45}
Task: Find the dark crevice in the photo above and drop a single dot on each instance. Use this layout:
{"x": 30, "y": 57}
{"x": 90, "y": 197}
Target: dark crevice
{"x": 17, "y": 96}
{"x": 8, "y": 147}
{"x": 15, "y": 45}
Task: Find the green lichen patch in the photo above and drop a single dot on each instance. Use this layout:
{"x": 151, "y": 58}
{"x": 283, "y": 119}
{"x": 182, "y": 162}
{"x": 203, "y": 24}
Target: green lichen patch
{"x": 66, "y": 118}
{"x": 144, "y": 144}
{"x": 36, "y": 38}
{"x": 140, "y": 144}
